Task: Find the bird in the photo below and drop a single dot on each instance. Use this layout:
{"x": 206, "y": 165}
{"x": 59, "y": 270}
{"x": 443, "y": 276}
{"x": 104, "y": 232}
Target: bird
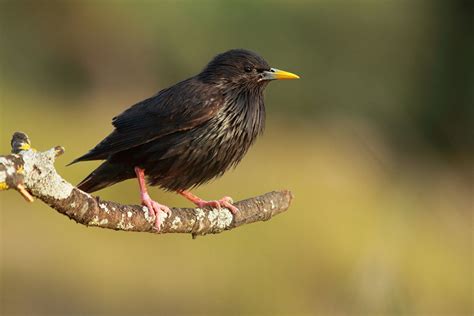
{"x": 189, "y": 133}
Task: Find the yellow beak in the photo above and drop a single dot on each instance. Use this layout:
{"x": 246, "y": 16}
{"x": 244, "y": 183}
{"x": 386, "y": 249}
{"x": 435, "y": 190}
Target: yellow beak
{"x": 277, "y": 74}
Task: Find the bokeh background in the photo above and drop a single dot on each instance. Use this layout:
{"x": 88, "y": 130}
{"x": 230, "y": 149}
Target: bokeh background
{"x": 376, "y": 141}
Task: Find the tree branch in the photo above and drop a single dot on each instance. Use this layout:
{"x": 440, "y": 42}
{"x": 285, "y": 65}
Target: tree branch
{"x": 32, "y": 173}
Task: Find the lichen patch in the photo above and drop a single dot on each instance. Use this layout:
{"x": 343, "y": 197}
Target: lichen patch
{"x": 176, "y": 222}
{"x": 42, "y": 178}
{"x": 94, "y": 221}
{"x": 104, "y": 208}
{"x": 162, "y": 216}
{"x": 224, "y": 219}
{"x": 148, "y": 217}
{"x": 200, "y": 214}
{"x": 212, "y": 215}
{"x": 122, "y": 224}
{"x": 220, "y": 219}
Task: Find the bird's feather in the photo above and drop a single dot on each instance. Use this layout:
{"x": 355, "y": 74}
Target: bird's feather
{"x": 181, "y": 107}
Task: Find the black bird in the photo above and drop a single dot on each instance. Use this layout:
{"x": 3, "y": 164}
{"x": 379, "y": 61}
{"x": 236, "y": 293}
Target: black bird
{"x": 189, "y": 133}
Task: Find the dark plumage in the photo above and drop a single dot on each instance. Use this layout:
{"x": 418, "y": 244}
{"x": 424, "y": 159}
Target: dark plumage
{"x": 191, "y": 132}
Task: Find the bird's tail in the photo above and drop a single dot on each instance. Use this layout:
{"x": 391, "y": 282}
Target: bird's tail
{"x": 105, "y": 175}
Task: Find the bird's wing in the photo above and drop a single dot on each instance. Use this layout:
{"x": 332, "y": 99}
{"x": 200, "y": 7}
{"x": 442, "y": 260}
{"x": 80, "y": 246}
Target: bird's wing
{"x": 181, "y": 107}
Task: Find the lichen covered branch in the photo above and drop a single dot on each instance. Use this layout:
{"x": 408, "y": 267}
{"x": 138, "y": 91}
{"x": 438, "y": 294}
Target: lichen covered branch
{"x": 32, "y": 173}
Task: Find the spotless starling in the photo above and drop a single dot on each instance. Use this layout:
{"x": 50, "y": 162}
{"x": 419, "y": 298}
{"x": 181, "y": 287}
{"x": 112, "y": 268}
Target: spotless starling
{"x": 189, "y": 133}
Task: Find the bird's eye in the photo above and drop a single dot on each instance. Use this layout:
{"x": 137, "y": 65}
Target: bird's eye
{"x": 248, "y": 69}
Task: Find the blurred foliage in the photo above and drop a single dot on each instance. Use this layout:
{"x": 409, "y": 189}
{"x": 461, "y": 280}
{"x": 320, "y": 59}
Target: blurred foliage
{"x": 375, "y": 140}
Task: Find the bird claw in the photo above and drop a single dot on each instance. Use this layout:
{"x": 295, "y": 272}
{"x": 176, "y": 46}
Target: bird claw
{"x": 156, "y": 207}
{"x": 225, "y": 202}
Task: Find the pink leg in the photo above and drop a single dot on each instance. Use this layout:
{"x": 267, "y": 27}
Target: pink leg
{"x": 152, "y": 206}
{"x": 226, "y": 201}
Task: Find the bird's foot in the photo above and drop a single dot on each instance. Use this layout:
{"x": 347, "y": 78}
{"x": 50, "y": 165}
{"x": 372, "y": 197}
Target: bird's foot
{"x": 156, "y": 208}
{"x": 225, "y": 202}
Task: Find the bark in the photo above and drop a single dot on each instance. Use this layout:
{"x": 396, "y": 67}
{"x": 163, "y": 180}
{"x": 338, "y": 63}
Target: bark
{"x": 32, "y": 174}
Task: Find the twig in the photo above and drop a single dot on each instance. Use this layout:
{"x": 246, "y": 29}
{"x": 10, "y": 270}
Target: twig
{"x": 32, "y": 173}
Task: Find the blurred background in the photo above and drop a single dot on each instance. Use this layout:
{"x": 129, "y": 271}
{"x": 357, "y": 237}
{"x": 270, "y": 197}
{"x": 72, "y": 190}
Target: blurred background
{"x": 376, "y": 141}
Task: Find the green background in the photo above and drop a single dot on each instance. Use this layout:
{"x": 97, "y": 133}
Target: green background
{"x": 375, "y": 141}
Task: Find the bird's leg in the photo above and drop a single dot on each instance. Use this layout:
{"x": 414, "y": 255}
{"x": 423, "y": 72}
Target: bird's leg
{"x": 226, "y": 201}
{"x": 152, "y": 206}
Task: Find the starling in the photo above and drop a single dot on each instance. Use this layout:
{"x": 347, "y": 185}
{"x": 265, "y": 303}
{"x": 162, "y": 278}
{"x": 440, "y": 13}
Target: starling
{"x": 189, "y": 133}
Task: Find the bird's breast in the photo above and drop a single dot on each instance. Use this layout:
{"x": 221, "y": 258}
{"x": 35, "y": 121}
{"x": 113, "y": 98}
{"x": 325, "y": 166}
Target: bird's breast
{"x": 225, "y": 139}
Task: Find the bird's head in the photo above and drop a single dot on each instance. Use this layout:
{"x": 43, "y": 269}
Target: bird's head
{"x": 242, "y": 67}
